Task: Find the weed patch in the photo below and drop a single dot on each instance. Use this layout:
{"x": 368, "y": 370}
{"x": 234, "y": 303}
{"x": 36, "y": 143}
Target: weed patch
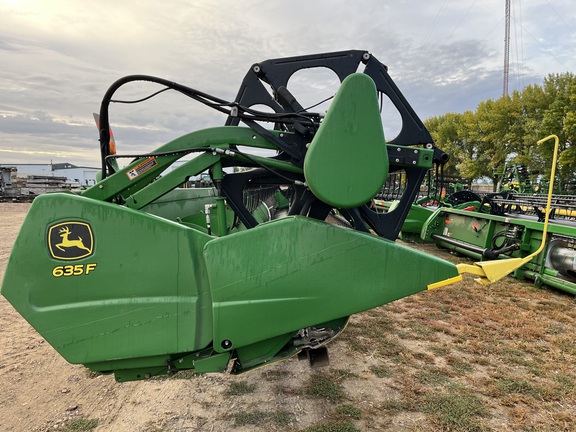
{"x": 349, "y": 411}
{"x": 566, "y": 384}
{"x": 520, "y": 386}
{"x": 394, "y": 406}
{"x": 346, "y": 426}
{"x": 459, "y": 365}
{"x": 262, "y": 418}
{"x": 341, "y": 374}
{"x": 323, "y": 385}
{"x": 432, "y": 376}
{"x": 381, "y": 371}
{"x": 80, "y": 424}
{"x": 440, "y": 349}
{"x": 455, "y": 411}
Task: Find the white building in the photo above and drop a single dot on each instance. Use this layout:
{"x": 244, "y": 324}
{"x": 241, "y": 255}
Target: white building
{"x": 75, "y": 175}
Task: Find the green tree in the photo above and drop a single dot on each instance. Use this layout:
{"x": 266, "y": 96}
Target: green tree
{"x": 446, "y": 129}
{"x": 558, "y": 119}
{"x": 534, "y": 103}
{"x": 506, "y": 130}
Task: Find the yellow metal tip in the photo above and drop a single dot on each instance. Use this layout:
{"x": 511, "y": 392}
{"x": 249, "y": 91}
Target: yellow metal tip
{"x": 445, "y": 282}
{"x": 492, "y": 271}
{"x": 483, "y": 281}
{"x": 497, "y": 269}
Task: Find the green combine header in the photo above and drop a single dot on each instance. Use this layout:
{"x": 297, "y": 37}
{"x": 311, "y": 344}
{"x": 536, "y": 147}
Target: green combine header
{"x": 140, "y": 277}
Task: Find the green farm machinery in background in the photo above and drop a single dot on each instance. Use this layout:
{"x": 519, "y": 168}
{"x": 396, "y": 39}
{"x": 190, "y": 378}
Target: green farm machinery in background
{"x": 513, "y": 227}
{"x": 534, "y": 232}
{"x": 140, "y": 277}
{"x": 437, "y": 190}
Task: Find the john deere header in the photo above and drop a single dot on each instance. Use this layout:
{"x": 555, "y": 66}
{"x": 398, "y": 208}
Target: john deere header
{"x": 139, "y": 276}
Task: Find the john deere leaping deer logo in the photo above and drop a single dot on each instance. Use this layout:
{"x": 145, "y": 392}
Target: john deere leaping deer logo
{"x": 70, "y": 240}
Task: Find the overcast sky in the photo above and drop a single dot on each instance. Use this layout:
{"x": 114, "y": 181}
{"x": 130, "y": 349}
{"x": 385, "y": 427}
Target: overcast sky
{"x": 58, "y": 58}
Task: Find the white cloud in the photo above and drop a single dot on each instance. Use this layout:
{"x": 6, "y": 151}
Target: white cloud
{"x": 59, "y": 57}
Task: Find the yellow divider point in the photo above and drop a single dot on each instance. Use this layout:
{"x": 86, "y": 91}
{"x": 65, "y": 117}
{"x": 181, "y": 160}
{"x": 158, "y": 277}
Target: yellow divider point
{"x": 445, "y": 282}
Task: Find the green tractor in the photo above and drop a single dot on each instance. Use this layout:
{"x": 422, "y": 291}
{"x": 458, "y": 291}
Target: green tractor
{"x": 139, "y": 277}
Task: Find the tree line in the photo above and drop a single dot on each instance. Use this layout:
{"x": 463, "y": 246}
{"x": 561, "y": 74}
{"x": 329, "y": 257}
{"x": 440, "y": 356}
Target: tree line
{"x": 506, "y": 130}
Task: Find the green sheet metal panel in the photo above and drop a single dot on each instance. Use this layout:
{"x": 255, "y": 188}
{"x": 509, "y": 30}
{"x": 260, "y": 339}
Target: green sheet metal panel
{"x": 141, "y": 291}
{"x": 347, "y": 162}
{"x": 314, "y": 273}
{"x": 182, "y": 203}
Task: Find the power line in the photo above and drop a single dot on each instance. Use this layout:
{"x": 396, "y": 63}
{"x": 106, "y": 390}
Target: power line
{"x": 542, "y": 46}
{"x": 518, "y": 45}
{"x": 521, "y": 42}
{"x": 560, "y": 16}
{"x": 506, "y": 49}
{"x": 459, "y": 22}
{"x": 430, "y": 30}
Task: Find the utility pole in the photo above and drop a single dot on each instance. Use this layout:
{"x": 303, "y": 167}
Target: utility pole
{"x": 506, "y": 49}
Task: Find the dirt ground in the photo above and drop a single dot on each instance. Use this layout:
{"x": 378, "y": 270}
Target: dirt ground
{"x": 509, "y": 349}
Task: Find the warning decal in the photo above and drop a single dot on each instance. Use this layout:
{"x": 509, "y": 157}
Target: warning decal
{"x": 141, "y": 168}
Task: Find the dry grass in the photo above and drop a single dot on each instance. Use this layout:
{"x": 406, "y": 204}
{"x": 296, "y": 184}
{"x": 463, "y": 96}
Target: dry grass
{"x": 474, "y": 358}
